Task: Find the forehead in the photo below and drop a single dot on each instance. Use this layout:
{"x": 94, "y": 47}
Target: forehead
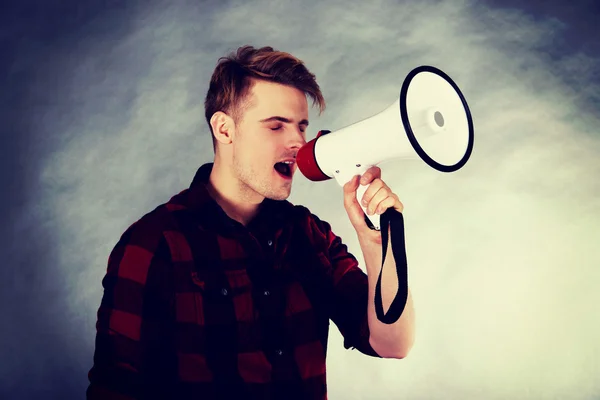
{"x": 274, "y": 98}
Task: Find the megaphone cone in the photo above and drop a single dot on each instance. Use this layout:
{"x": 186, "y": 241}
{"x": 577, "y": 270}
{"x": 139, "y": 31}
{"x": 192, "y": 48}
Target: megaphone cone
{"x": 430, "y": 120}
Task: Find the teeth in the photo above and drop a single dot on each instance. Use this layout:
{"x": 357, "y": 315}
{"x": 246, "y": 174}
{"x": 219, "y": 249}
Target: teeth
{"x": 288, "y": 162}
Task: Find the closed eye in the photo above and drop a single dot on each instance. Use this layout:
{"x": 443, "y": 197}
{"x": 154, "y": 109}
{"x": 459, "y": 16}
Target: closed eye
{"x": 302, "y": 128}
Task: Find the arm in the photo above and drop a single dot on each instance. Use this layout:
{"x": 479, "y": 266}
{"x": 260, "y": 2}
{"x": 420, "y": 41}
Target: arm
{"x": 354, "y": 294}
{"x": 132, "y": 358}
{"x": 393, "y": 340}
{"x": 350, "y": 292}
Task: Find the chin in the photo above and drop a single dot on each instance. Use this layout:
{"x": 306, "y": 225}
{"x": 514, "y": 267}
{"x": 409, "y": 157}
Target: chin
{"x": 279, "y": 197}
{"x": 281, "y": 194}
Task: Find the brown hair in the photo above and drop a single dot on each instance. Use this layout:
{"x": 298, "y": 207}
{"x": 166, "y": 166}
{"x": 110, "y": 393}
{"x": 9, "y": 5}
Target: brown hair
{"x": 232, "y": 80}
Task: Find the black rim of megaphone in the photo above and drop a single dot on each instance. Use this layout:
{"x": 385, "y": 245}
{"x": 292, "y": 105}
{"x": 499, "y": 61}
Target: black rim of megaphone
{"x": 409, "y": 132}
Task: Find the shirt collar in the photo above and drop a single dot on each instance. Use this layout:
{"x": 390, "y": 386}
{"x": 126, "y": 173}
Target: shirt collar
{"x": 272, "y": 214}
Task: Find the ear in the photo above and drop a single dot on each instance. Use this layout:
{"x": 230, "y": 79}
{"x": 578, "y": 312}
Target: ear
{"x": 223, "y": 127}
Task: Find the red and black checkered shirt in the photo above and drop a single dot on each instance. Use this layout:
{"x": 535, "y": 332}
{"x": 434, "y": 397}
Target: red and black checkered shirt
{"x": 197, "y": 306}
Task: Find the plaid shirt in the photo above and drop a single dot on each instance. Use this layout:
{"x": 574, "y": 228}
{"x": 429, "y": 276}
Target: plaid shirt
{"x": 198, "y": 306}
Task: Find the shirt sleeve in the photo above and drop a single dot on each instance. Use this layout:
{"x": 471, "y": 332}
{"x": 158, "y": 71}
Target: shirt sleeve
{"x": 350, "y": 292}
{"x": 133, "y": 358}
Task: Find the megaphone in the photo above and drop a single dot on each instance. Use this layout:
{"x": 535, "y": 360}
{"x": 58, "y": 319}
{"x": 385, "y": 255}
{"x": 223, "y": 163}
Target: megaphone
{"x": 430, "y": 120}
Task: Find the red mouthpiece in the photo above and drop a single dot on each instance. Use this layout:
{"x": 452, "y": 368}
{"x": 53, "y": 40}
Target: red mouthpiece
{"x": 307, "y": 162}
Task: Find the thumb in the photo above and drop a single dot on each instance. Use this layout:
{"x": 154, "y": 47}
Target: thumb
{"x": 351, "y": 204}
{"x": 350, "y": 188}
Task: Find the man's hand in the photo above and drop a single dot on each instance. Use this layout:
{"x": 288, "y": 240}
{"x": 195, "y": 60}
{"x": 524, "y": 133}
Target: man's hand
{"x": 377, "y": 198}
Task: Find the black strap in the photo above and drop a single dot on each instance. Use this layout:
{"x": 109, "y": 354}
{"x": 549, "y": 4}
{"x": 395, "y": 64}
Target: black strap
{"x": 395, "y": 221}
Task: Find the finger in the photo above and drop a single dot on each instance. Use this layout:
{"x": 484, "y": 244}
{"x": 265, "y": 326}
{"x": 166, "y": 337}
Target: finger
{"x": 371, "y": 190}
{"x": 399, "y": 206}
{"x": 370, "y": 175}
{"x": 385, "y": 204}
{"x": 394, "y": 201}
{"x": 381, "y": 195}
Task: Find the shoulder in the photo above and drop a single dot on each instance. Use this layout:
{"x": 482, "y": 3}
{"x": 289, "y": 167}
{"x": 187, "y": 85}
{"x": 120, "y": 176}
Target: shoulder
{"x": 149, "y": 234}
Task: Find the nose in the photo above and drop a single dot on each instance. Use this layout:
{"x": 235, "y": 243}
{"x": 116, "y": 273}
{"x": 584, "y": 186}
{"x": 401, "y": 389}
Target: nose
{"x": 298, "y": 139}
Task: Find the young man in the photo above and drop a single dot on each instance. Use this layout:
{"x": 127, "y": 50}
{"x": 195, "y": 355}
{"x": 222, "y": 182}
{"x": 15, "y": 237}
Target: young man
{"x": 227, "y": 290}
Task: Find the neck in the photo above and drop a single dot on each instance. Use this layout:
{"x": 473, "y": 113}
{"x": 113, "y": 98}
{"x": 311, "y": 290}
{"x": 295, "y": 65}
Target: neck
{"x": 226, "y": 190}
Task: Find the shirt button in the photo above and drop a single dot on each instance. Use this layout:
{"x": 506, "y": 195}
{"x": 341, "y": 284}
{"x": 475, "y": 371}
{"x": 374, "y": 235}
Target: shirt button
{"x": 270, "y": 242}
{"x": 278, "y": 352}
{"x": 266, "y": 293}
{"x": 224, "y": 292}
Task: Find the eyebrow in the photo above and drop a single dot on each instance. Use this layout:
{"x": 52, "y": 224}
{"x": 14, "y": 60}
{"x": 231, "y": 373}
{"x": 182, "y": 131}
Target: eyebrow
{"x": 283, "y": 119}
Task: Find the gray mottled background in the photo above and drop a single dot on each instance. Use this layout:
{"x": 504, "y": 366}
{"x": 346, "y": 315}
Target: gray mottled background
{"x": 102, "y": 120}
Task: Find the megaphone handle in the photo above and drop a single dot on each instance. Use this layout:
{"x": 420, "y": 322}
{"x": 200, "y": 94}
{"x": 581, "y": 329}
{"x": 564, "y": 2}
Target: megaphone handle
{"x": 395, "y": 221}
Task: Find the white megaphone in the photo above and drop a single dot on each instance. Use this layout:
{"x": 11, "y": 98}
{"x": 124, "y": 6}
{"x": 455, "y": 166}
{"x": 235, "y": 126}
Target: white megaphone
{"x": 430, "y": 120}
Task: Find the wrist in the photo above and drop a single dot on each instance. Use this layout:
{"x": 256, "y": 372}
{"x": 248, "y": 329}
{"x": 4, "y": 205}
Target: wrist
{"x": 370, "y": 246}
{"x": 369, "y": 238}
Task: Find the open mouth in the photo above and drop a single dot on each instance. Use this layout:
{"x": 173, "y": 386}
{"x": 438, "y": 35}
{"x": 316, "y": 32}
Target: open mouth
{"x": 284, "y": 168}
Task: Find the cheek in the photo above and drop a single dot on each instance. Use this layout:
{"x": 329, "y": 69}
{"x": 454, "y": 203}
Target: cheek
{"x": 270, "y": 149}
{"x": 262, "y": 147}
